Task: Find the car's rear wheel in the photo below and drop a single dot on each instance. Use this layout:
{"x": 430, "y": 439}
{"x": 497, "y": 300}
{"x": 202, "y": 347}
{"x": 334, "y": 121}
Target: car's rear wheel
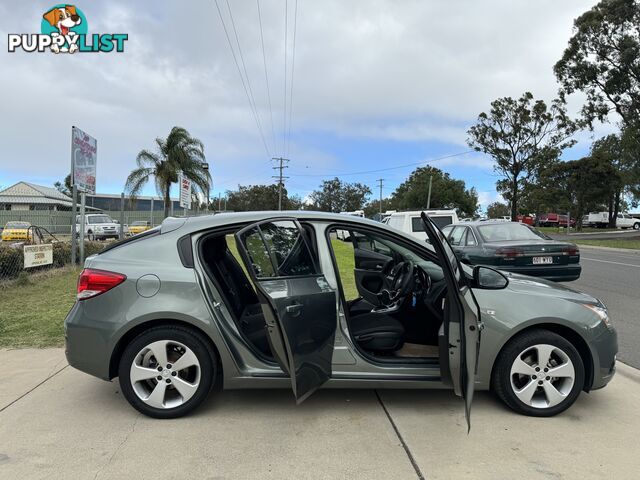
{"x": 166, "y": 372}
{"x": 538, "y": 373}
{"x": 636, "y": 226}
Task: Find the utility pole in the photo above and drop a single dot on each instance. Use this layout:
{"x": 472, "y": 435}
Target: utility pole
{"x": 380, "y": 180}
{"x": 429, "y": 195}
{"x": 280, "y": 178}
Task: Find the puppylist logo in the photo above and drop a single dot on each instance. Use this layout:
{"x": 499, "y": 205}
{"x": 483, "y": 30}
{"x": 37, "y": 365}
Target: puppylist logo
{"x": 64, "y": 30}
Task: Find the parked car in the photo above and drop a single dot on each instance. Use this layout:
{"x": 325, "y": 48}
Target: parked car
{"x": 139, "y": 227}
{"x": 624, "y": 220}
{"x": 514, "y": 247}
{"x": 16, "y": 231}
{"x": 411, "y": 223}
{"x": 98, "y": 226}
{"x": 257, "y": 300}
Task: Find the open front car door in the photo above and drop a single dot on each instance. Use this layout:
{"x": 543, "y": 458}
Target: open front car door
{"x": 462, "y": 318}
{"x": 298, "y": 303}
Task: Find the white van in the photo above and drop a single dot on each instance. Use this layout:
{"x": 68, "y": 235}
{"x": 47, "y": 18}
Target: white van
{"x": 411, "y": 223}
{"x": 343, "y": 234}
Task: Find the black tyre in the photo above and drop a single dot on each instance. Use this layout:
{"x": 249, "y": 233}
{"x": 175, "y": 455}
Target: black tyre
{"x": 167, "y": 371}
{"x": 538, "y": 373}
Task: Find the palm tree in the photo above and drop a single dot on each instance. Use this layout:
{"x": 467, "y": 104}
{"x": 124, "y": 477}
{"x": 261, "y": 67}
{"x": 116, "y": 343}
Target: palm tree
{"x": 179, "y": 152}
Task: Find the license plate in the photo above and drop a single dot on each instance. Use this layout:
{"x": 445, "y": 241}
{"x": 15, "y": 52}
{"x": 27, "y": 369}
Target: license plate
{"x": 542, "y": 260}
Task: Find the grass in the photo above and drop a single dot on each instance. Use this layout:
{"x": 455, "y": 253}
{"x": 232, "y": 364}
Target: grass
{"x": 346, "y": 263}
{"x": 32, "y": 313}
{"x": 631, "y": 244}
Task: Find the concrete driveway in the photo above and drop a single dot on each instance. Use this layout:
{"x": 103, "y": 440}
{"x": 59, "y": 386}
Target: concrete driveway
{"x": 56, "y": 422}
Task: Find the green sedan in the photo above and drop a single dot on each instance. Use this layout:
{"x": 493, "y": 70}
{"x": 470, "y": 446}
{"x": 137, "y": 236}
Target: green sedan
{"x": 514, "y": 247}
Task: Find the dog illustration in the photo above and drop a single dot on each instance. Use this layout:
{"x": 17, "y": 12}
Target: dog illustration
{"x": 63, "y": 18}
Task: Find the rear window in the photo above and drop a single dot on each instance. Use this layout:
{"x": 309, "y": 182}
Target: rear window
{"x": 440, "y": 221}
{"x": 139, "y": 224}
{"x": 502, "y": 232}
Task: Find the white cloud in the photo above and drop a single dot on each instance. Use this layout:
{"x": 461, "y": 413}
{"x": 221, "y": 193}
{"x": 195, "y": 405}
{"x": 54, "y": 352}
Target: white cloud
{"x": 410, "y": 71}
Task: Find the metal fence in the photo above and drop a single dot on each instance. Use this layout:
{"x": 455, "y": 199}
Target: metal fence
{"x": 54, "y": 227}
{"x": 59, "y": 222}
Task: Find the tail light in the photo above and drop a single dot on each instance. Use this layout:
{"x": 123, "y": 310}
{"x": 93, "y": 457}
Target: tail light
{"x": 509, "y": 252}
{"x": 572, "y": 250}
{"x": 94, "y": 282}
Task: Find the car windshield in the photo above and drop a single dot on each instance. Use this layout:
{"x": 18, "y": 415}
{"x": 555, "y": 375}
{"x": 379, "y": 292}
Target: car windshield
{"x": 138, "y": 224}
{"x": 501, "y": 232}
{"x": 17, "y": 225}
{"x": 99, "y": 219}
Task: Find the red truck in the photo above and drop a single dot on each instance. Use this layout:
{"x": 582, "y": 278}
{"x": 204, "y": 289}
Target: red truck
{"x": 555, "y": 220}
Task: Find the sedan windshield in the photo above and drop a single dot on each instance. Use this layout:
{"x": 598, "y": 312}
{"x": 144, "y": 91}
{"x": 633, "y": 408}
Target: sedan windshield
{"x": 18, "y": 225}
{"x": 100, "y": 219}
{"x": 500, "y": 232}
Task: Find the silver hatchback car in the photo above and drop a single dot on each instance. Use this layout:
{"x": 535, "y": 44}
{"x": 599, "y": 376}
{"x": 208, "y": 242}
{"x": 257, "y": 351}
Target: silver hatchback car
{"x": 277, "y": 300}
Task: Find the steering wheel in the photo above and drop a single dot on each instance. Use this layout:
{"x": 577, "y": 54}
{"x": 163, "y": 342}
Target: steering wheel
{"x": 400, "y": 283}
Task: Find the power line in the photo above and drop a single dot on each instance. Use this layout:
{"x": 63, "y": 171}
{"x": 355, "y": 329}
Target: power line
{"x": 280, "y": 178}
{"x": 253, "y": 100}
{"x": 266, "y": 76}
{"x": 382, "y": 169}
{"x": 293, "y": 65}
{"x": 244, "y": 85}
{"x": 284, "y": 110}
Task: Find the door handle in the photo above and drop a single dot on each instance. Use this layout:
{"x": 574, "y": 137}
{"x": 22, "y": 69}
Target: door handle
{"x": 294, "y": 308}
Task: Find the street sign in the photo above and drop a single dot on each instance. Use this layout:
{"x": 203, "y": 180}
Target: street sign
{"x": 38, "y": 255}
{"x": 185, "y": 192}
{"x": 84, "y": 155}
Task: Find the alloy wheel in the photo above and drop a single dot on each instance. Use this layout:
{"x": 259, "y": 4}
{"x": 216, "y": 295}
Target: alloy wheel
{"x": 165, "y": 374}
{"x": 542, "y": 376}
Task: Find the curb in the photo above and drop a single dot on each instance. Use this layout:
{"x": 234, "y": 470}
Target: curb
{"x": 628, "y": 371}
{"x": 633, "y": 251}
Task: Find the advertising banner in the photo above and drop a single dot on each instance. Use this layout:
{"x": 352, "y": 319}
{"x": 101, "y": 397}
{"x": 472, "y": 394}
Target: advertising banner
{"x": 84, "y": 156}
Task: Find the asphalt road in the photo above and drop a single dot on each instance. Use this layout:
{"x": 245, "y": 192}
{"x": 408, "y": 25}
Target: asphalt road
{"x": 614, "y": 277}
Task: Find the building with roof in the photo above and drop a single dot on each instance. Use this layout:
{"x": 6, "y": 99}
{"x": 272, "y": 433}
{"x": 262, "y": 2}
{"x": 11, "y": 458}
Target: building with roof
{"x": 29, "y": 196}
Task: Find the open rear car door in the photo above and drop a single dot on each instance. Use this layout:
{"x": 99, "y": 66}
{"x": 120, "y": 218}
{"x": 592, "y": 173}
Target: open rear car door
{"x": 462, "y": 320}
{"x": 298, "y": 303}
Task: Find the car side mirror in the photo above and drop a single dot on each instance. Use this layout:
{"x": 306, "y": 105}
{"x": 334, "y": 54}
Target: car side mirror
{"x": 488, "y": 278}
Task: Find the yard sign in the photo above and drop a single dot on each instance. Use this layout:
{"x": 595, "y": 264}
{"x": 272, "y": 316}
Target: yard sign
{"x": 38, "y": 255}
{"x": 185, "y": 192}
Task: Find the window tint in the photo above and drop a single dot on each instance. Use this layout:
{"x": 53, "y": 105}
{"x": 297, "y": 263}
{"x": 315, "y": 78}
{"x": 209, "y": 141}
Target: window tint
{"x": 500, "y": 232}
{"x": 441, "y": 222}
{"x": 471, "y": 239}
{"x": 456, "y": 236}
{"x": 278, "y": 249}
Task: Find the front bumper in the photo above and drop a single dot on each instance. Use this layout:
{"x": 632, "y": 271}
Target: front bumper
{"x": 604, "y": 348}
{"x": 557, "y": 273}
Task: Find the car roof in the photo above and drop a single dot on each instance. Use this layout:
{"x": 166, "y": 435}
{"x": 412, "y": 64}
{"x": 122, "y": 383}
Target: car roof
{"x": 193, "y": 224}
{"x": 477, "y": 223}
{"x": 418, "y": 212}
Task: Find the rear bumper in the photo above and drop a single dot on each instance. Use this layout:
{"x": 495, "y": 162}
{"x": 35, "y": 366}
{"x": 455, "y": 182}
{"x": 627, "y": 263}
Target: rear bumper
{"x": 86, "y": 348}
{"x": 558, "y": 273}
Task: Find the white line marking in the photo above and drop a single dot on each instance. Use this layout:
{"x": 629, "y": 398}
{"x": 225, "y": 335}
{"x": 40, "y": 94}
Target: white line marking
{"x": 607, "y": 261}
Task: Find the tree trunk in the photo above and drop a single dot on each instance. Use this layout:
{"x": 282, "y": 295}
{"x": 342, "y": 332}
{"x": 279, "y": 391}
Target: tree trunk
{"x": 612, "y": 222}
{"x": 167, "y": 201}
{"x": 514, "y": 200}
{"x": 616, "y": 207}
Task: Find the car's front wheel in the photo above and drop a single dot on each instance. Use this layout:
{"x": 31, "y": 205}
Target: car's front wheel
{"x": 166, "y": 372}
{"x": 538, "y": 373}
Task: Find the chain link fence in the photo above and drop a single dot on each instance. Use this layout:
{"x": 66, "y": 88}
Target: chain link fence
{"x": 20, "y": 228}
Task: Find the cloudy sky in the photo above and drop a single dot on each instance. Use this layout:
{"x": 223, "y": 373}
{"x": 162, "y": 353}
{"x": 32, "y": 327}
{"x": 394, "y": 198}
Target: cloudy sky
{"x": 376, "y": 85}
